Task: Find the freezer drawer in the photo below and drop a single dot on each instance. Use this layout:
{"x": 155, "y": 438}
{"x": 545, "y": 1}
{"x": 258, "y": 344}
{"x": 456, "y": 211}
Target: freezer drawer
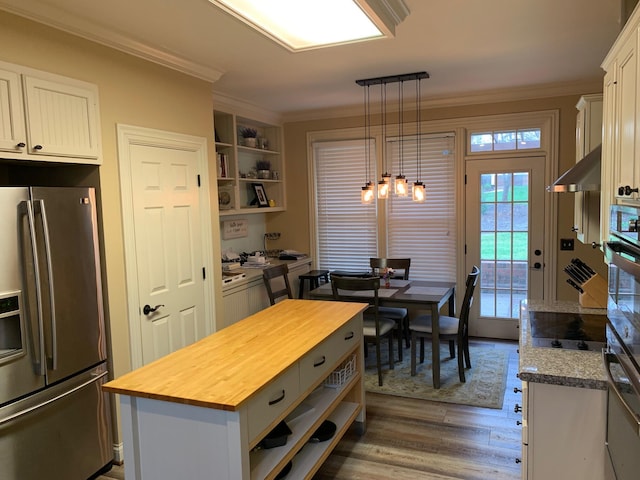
{"x": 60, "y": 434}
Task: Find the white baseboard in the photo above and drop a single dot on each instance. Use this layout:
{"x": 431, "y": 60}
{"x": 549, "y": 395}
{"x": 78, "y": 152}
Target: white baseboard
{"x": 118, "y": 453}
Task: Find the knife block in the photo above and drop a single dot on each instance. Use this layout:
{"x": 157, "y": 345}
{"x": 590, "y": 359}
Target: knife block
{"x": 595, "y": 292}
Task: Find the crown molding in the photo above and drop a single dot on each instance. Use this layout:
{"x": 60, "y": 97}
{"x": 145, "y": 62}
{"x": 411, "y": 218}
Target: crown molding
{"x": 238, "y": 106}
{"x": 59, "y": 19}
{"x": 459, "y": 100}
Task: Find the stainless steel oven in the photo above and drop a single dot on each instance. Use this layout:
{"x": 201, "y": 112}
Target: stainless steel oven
{"x": 622, "y": 355}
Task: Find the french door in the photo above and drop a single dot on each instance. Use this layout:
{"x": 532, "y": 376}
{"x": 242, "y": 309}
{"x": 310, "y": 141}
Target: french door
{"x": 505, "y": 238}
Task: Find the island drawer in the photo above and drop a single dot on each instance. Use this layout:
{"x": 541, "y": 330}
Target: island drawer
{"x": 318, "y": 363}
{"x": 272, "y": 401}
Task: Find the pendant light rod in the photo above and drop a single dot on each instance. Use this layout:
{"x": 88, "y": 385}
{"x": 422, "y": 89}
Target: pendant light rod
{"x": 404, "y": 77}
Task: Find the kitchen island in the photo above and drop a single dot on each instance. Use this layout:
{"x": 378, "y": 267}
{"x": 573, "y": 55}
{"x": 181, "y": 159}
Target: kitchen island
{"x": 563, "y": 404}
{"x": 203, "y": 411}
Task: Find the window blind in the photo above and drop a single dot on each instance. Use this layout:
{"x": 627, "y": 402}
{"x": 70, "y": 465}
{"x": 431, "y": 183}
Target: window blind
{"x": 425, "y": 232}
{"x": 345, "y": 228}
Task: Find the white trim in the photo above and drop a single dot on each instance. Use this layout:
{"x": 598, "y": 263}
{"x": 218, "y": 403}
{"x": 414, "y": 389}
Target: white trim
{"x": 132, "y": 135}
{"x": 457, "y": 100}
{"x": 59, "y": 19}
{"x": 118, "y": 453}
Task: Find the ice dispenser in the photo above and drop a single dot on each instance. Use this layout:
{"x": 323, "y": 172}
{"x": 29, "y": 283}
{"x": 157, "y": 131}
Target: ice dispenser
{"x": 11, "y": 330}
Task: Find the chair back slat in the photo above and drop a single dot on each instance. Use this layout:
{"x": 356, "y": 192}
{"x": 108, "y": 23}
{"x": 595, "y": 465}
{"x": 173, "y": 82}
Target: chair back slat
{"x": 270, "y": 276}
{"x": 379, "y": 264}
{"x": 472, "y": 281}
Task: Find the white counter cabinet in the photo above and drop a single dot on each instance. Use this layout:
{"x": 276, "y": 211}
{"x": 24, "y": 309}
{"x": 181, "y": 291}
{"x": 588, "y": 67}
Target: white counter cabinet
{"x": 247, "y": 297}
{"x": 46, "y": 117}
{"x": 201, "y": 411}
{"x": 563, "y": 432}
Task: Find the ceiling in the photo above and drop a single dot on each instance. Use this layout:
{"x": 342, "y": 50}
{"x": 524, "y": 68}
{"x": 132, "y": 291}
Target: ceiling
{"x": 468, "y": 47}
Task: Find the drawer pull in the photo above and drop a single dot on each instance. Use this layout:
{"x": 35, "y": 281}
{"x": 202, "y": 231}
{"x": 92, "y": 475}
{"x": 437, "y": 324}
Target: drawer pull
{"x": 349, "y": 336}
{"x": 277, "y": 400}
{"x": 321, "y": 362}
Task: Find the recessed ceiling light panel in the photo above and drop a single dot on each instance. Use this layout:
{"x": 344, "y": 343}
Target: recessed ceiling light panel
{"x": 306, "y": 24}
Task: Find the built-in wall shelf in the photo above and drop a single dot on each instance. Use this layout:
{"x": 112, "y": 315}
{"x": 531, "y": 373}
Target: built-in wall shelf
{"x": 250, "y": 171}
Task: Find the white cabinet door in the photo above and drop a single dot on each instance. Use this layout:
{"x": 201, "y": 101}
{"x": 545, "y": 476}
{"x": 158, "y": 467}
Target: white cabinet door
{"x": 566, "y": 432}
{"x": 588, "y": 137}
{"x": 625, "y": 165}
{"x": 607, "y": 197}
{"x": 12, "y": 127}
{"x": 61, "y": 119}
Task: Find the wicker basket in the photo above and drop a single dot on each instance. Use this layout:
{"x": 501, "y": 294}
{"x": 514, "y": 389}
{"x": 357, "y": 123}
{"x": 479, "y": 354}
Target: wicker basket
{"x": 342, "y": 374}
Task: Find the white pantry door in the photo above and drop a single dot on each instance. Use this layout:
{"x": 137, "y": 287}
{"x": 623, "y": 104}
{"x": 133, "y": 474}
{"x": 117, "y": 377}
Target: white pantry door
{"x": 168, "y": 241}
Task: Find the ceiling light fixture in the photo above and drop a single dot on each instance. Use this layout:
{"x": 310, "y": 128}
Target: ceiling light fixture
{"x": 419, "y": 193}
{"x": 367, "y": 191}
{"x": 401, "y": 188}
{"x": 306, "y": 24}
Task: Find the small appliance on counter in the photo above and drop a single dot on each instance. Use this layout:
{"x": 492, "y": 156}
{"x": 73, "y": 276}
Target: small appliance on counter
{"x": 592, "y": 287}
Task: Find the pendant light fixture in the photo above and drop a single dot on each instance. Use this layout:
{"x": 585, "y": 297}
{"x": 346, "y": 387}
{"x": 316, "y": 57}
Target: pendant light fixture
{"x": 419, "y": 193}
{"x": 367, "y": 196}
{"x": 400, "y": 182}
{"x": 401, "y": 187}
{"x": 384, "y": 183}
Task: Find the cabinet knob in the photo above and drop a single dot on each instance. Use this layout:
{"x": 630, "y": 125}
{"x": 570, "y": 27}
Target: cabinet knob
{"x": 517, "y": 408}
{"x": 595, "y": 245}
{"x": 626, "y": 190}
{"x": 37, "y": 147}
{"x": 21, "y": 145}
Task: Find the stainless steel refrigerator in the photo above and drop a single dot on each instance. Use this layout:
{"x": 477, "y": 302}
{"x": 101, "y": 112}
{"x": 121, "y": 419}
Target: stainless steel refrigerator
{"x": 54, "y": 417}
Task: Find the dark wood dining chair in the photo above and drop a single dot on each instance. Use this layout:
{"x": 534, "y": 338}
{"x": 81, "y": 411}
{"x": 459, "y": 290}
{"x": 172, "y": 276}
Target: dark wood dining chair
{"x": 400, "y": 315}
{"x": 375, "y": 326}
{"x": 271, "y": 276}
{"x": 452, "y": 329}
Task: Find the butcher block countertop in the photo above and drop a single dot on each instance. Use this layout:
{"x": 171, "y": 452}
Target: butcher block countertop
{"x": 226, "y": 368}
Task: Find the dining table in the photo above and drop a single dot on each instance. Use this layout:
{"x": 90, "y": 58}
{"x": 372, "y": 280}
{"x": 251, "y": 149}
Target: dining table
{"x": 430, "y": 295}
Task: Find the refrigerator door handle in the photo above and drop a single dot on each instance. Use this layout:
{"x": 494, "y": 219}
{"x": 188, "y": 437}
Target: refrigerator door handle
{"x": 52, "y": 400}
{"x": 26, "y": 209}
{"x": 52, "y": 302}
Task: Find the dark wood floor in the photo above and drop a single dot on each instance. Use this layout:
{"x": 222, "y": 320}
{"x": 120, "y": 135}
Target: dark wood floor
{"x": 410, "y": 439}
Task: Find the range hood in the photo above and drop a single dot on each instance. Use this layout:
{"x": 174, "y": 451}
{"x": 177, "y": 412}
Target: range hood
{"x": 583, "y": 176}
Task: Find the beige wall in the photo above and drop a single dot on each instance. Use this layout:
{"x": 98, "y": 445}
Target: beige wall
{"x": 133, "y": 92}
{"x": 294, "y": 223}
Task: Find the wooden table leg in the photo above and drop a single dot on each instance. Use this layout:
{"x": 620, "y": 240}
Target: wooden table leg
{"x": 435, "y": 345}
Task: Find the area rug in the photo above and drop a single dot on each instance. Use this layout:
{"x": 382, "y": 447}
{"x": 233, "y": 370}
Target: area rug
{"x": 485, "y": 381}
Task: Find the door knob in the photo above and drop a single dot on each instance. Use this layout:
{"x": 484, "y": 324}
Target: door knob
{"x": 537, "y": 265}
{"x": 147, "y": 309}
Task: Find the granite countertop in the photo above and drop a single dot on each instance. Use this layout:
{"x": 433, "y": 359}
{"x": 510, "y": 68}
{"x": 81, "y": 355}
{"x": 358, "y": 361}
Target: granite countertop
{"x": 572, "y": 368}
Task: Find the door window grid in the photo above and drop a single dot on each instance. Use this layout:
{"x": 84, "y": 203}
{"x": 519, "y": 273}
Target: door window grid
{"x": 504, "y": 243}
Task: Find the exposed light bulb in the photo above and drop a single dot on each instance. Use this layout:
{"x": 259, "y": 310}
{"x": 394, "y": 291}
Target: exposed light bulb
{"x": 419, "y": 194}
{"x": 401, "y": 186}
{"x": 366, "y": 195}
{"x": 384, "y": 186}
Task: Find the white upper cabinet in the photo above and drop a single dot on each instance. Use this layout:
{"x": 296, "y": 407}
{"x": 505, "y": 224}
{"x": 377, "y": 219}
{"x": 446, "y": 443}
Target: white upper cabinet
{"x": 12, "y": 127}
{"x": 621, "y": 147}
{"x": 588, "y": 137}
{"x": 46, "y": 117}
